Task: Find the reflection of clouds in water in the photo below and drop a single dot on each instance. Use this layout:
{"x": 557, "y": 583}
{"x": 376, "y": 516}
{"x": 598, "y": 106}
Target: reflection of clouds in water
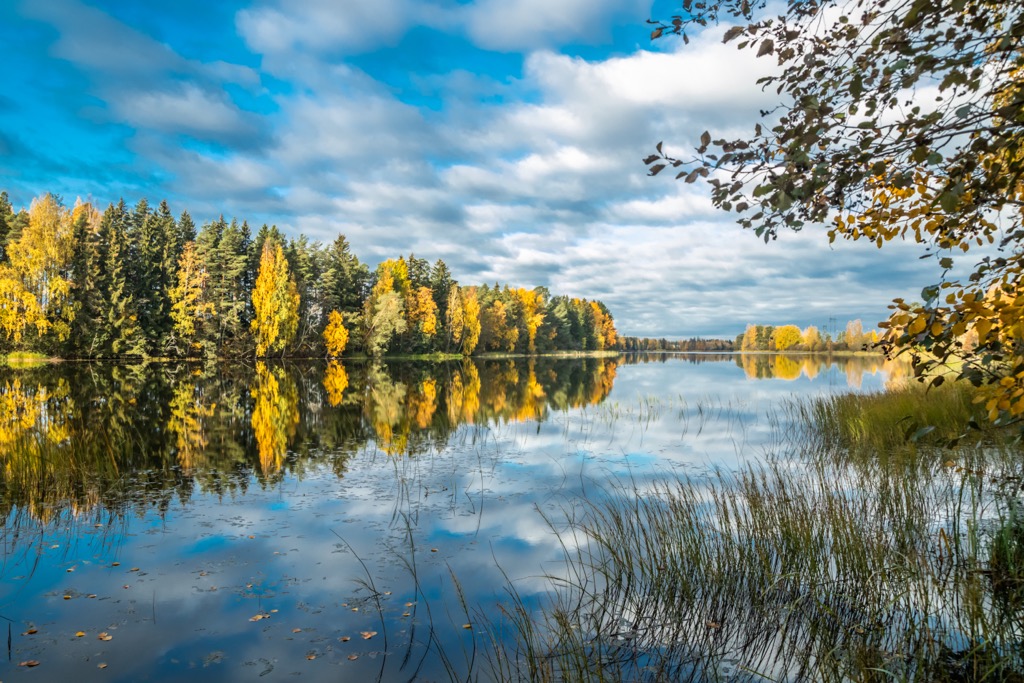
{"x": 485, "y": 497}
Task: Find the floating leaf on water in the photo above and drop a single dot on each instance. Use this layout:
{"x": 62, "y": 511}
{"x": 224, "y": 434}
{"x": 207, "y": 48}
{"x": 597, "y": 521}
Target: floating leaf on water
{"x": 273, "y": 611}
{"x": 355, "y": 609}
{"x": 467, "y": 626}
{"x": 31, "y": 631}
{"x": 296, "y": 630}
{"x": 409, "y": 604}
{"x": 352, "y": 658}
{"x": 115, "y": 564}
{"x": 259, "y": 616}
{"x": 344, "y": 639}
{"x": 134, "y": 569}
{"x": 91, "y": 595}
{"x": 367, "y": 634}
{"x": 101, "y": 665}
{"x": 29, "y": 663}
{"x": 70, "y": 569}
{"x": 79, "y": 634}
{"x": 252, "y": 537}
{"x": 105, "y": 636}
{"x": 67, "y": 597}
{"x": 311, "y": 656}
{"x": 713, "y": 624}
{"x": 433, "y": 550}
{"x": 405, "y": 614}
{"x": 387, "y": 592}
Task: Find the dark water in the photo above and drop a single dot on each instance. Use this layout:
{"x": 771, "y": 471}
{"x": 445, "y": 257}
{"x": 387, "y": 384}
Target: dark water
{"x": 330, "y": 522}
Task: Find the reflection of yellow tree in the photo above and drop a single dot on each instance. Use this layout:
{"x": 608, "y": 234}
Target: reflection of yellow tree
{"x": 423, "y": 403}
{"x": 19, "y": 411}
{"x": 533, "y": 397}
{"x": 186, "y": 423}
{"x": 464, "y": 394}
{"x": 275, "y": 415}
{"x": 786, "y": 368}
{"x": 812, "y": 366}
{"x": 335, "y": 382}
{"x": 386, "y": 408}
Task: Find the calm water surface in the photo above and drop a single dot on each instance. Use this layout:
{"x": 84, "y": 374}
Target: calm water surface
{"x": 333, "y": 522}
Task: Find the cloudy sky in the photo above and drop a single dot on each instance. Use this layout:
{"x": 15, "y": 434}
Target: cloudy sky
{"x": 503, "y": 136}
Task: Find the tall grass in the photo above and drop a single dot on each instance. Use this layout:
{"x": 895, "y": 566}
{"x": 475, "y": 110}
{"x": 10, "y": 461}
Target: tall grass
{"x": 860, "y": 548}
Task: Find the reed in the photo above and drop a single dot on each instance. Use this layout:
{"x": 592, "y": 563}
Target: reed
{"x": 861, "y": 547}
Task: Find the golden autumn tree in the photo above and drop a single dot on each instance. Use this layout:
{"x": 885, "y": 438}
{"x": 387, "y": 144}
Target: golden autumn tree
{"x": 471, "y": 321}
{"x": 275, "y": 301}
{"x": 531, "y": 302}
{"x": 35, "y": 284}
{"x": 335, "y": 334}
{"x": 787, "y": 336}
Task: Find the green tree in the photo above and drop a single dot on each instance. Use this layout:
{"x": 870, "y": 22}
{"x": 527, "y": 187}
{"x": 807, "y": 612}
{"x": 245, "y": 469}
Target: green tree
{"x": 859, "y": 141}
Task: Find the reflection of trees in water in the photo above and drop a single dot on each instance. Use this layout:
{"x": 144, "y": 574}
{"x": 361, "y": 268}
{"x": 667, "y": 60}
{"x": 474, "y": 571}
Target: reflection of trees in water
{"x": 790, "y": 367}
{"x": 275, "y": 415}
{"x": 82, "y": 439}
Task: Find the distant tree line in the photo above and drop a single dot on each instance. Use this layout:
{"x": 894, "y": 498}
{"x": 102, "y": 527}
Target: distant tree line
{"x": 792, "y": 338}
{"x": 691, "y": 345}
{"x": 138, "y": 282}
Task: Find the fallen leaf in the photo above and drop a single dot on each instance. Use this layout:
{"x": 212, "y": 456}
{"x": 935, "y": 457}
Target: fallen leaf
{"x": 91, "y": 595}
{"x": 352, "y": 658}
{"x": 310, "y": 656}
{"x": 367, "y": 634}
{"x": 105, "y": 636}
{"x": 273, "y": 611}
{"x": 405, "y": 614}
{"x": 29, "y": 663}
{"x": 79, "y": 634}
{"x": 67, "y": 597}
{"x": 115, "y": 564}
{"x": 30, "y": 632}
{"x": 344, "y": 639}
{"x": 252, "y": 537}
{"x": 712, "y": 624}
{"x": 296, "y": 630}
{"x": 409, "y": 604}
{"x": 134, "y": 569}
{"x": 467, "y": 626}
{"x": 258, "y": 617}
{"x": 101, "y": 665}
{"x": 433, "y": 550}
{"x": 387, "y": 592}
{"x": 70, "y": 569}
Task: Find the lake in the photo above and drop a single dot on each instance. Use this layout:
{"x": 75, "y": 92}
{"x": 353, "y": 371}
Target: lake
{"x": 228, "y": 522}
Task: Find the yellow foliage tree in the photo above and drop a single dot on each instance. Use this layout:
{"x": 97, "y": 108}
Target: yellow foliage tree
{"x": 787, "y": 336}
{"x": 471, "y": 321}
{"x": 335, "y": 334}
{"x": 35, "y": 288}
{"x": 275, "y": 301}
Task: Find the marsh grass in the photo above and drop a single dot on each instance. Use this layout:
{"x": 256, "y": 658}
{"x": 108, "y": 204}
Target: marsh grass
{"x": 858, "y": 548}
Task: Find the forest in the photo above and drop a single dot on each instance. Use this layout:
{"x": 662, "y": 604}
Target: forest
{"x": 136, "y": 282}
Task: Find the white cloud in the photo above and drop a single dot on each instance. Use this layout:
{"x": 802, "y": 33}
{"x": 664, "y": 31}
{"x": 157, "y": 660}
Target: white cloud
{"x": 328, "y": 26}
{"x": 187, "y": 109}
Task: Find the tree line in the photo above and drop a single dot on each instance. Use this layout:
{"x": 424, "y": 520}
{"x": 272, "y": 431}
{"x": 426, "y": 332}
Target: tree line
{"x": 792, "y": 338}
{"x": 138, "y": 282}
{"x": 693, "y": 344}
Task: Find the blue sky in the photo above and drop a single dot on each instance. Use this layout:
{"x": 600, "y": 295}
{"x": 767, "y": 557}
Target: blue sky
{"x": 504, "y": 136}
